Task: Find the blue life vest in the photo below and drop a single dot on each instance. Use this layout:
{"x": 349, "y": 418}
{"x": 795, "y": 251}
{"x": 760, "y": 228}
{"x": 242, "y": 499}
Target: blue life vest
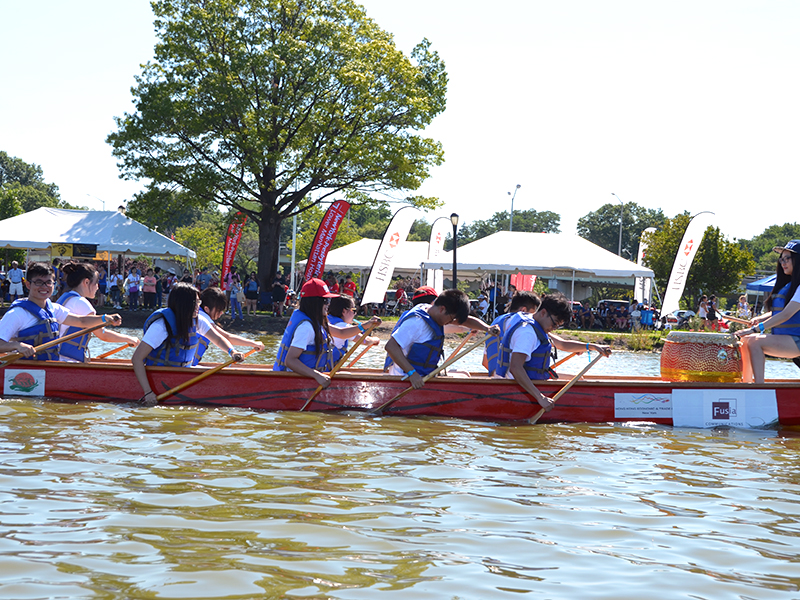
{"x": 779, "y": 302}
{"x": 493, "y": 343}
{"x": 337, "y": 353}
{"x": 202, "y": 342}
{"x": 76, "y": 348}
{"x": 538, "y": 365}
{"x": 309, "y": 357}
{"x": 44, "y": 330}
{"x": 423, "y": 356}
{"x": 173, "y": 352}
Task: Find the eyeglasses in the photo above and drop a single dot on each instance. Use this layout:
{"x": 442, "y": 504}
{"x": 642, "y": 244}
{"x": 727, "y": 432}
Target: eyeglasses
{"x": 556, "y": 324}
{"x": 785, "y": 259}
{"x": 40, "y": 283}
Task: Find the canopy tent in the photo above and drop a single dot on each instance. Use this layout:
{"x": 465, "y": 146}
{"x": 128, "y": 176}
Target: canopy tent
{"x": 549, "y": 255}
{"x": 359, "y": 256}
{"x": 762, "y": 285}
{"x": 110, "y": 231}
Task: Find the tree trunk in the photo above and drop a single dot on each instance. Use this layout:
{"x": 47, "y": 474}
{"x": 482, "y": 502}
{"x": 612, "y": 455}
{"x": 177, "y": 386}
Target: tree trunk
{"x": 268, "y": 250}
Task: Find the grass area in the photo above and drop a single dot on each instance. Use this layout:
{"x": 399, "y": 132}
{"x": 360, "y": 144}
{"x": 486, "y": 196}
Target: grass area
{"x": 638, "y": 341}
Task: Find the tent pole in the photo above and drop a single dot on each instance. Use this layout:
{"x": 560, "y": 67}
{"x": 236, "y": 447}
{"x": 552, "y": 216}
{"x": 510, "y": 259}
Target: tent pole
{"x": 496, "y": 291}
{"x": 572, "y": 292}
{"x": 655, "y": 287}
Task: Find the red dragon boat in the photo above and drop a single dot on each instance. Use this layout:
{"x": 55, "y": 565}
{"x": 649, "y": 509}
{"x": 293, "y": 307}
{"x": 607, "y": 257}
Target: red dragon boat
{"x": 593, "y": 399}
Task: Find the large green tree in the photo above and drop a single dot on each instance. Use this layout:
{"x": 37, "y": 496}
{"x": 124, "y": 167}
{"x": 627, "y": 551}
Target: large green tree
{"x": 524, "y": 220}
{"x": 23, "y": 188}
{"x": 718, "y": 266}
{"x": 761, "y": 245}
{"x": 601, "y": 227}
{"x": 270, "y": 107}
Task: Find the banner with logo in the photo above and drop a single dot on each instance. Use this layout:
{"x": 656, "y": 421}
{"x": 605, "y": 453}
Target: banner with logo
{"x": 642, "y": 290}
{"x": 439, "y": 230}
{"x": 695, "y": 231}
{"x": 231, "y": 245}
{"x": 323, "y": 241}
{"x": 383, "y": 266}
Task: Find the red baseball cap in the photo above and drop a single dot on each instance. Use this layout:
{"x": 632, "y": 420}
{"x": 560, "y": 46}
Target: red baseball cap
{"x": 424, "y": 291}
{"x": 316, "y": 288}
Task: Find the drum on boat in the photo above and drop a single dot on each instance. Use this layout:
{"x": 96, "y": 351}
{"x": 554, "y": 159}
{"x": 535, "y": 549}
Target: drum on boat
{"x": 698, "y": 356}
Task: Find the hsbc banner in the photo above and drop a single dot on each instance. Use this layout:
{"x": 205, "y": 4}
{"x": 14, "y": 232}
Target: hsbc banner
{"x": 439, "y": 230}
{"x": 690, "y": 243}
{"x": 323, "y": 241}
{"x": 383, "y": 265}
{"x": 232, "y": 244}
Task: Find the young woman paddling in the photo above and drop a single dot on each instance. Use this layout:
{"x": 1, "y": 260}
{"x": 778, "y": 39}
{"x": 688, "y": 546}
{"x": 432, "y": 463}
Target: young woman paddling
{"x": 82, "y": 283}
{"x": 341, "y": 315}
{"x": 35, "y": 320}
{"x": 171, "y": 336}
{"x": 783, "y": 303}
{"x": 213, "y": 304}
{"x": 305, "y": 347}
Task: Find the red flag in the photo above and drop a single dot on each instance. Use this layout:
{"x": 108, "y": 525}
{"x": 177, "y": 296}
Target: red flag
{"x": 232, "y": 244}
{"x": 323, "y": 241}
{"x": 523, "y": 283}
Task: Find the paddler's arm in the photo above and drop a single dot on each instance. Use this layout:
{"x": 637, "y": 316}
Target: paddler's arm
{"x": 475, "y": 324}
{"x": 772, "y": 320}
{"x": 395, "y": 352}
{"x": 116, "y": 337}
{"x": 517, "y": 368}
{"x": 223, "y": 343}
{"x": 22, "y": 348}
{"x": 92, "y": 320}
{"x": 141, "y": 352}
{"x": 579, "y": 347}
{"x": 352, "y": 330}
{"x": 295, "y": 364}
{"x": 238, "y": 340}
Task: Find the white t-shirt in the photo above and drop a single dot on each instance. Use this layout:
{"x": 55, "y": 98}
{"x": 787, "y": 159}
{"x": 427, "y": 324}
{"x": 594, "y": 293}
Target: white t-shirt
{"x": 156, "y": 334}
{"x": 303, "y": 336}
{"x": 340, "y": 342}
{"x": 17, "y": 319}
{"x": 77, "y": 306}
{"x": 524, "y": 340}
{"x": 414, "y": 330}
{"x": 796, "y": 297}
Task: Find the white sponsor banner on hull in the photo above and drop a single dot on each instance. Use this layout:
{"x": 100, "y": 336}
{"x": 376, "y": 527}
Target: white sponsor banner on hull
{"x": 647, "y": 405}
{"x": 747, "y": 409}
{"x": 24, "y": 382}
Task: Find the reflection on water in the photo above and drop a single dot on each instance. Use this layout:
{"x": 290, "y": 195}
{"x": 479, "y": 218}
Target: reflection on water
{"x": 104, "y": 502}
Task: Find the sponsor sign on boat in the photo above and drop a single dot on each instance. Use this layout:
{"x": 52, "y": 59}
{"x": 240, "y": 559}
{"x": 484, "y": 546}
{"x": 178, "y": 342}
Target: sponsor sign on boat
{"x": 24, "y": 382}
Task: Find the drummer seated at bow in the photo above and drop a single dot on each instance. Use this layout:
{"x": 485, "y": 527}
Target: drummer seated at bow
{"x": 522, "y": 302}
{"x": 306, "y": 346}
{"x": 35, "y": 320}
{"x": 171, "y": 336}
{"x": 417, "y": 341}
{"x": 527, "y": 343}
{"x": 214, "y": 304}
{"x": 783, "y": 318}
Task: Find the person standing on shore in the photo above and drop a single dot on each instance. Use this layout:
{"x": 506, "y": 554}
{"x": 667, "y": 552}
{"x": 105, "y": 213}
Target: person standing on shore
{"x": 15, "y": 277}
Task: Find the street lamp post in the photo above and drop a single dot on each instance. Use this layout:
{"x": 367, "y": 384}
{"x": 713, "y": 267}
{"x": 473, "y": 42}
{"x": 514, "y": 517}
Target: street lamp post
{"x": 511, "y": 221}
{"x": 621, "y": 206}
{"x": 96, "y": 198}
{"x": 454, "y": 221}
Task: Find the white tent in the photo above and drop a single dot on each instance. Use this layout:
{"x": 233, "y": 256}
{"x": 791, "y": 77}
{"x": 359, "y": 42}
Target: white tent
{"x": 548, "y": 255}
{"x": 111, "y": 231}
{"x": 359, "y": 256}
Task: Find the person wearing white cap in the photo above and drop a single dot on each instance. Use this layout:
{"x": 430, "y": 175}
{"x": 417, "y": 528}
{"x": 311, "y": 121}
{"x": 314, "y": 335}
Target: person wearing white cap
{"x": 783, "y": 303}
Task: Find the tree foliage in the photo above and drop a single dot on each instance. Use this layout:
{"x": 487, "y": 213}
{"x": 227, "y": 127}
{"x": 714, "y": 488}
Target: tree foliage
{"x": 270, "y": 107}
{"x": 205, "y": 239}
{"x": 524, "y": 220}
{"x": 601, "y": 227}
{"x": 23, "y": 188}
{"x": 761, "y": 245}
{"x": 718, "y": 266}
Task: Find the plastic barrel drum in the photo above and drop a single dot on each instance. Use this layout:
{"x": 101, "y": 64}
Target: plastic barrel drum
{"x": 697, "y": 356}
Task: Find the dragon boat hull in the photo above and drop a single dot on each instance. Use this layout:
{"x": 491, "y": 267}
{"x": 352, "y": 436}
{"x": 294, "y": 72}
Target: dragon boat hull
{"x": 596, "y": 399}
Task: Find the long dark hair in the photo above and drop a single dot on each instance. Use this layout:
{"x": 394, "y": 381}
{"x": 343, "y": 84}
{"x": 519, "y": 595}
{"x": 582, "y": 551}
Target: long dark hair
{"x": 339, "y": 304}
{"x": 313, "y": 308}
{"x": 182, "y": 300}
{"x": 781, "y": 279}
{"x": 77, "y": 272}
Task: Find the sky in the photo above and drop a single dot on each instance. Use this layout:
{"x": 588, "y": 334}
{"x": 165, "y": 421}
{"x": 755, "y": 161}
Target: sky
{"x": 680, "y": 105}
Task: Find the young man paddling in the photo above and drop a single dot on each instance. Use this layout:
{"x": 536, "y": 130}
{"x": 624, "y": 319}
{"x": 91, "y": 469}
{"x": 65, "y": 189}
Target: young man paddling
{"x": 417, "y": 340}
{"x": 526, "y": 345}
{"x": 522, "y": 302}
{"x": 35, "y": 320}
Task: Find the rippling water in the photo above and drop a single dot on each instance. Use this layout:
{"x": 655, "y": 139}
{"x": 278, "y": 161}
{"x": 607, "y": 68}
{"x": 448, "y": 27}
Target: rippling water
{"x": 101, "y": 501}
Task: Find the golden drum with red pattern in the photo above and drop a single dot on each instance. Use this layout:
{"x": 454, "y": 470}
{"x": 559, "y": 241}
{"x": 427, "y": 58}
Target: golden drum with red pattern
{"x": 698, "y": 356}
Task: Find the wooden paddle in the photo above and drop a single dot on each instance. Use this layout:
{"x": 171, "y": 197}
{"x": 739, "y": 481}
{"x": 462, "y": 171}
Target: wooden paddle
{"x": 565, "y": 359}
{"x": 199, "y": 378}
{"x": 110, "y": 352}
{"x": 14, "y": 356}
{"x": 358, "y": 358}
{"x": 453, "y": 358}
{"x": 734, "y": 319}
{"x": 341, "y": 362}
{"x": 564, "y": 389}
{"x": 464, "y": 341}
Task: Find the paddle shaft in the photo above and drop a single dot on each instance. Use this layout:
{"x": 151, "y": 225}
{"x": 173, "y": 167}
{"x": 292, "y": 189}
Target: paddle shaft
{"x": 199, "y": 378}
{"x": 358, "y": 358}
{"x": 10, "y": 358}
{"x": 110, "y": 352}
{"x": 453, "y": 358}
{"x": 464, "y": 341}
{"x": 564, "y": 389}
{"x": 341, "y": 362}
{"x": 565, "y": 359}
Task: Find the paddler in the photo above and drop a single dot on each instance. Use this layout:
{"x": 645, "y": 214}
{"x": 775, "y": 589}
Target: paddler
{"x": 35, "y": 320}
{"x": 417, "y": 341}
{"x": 783, "y": 303}
{"x": 342, "y": 315}
{"x": 171, "y": 336}
{"x": 305, "y": 347}
{"x": 526, "y": 345}
{"x": 522, "y": 302}
{"x": 214, "y": 304}
{"x": 82, "y": 284}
